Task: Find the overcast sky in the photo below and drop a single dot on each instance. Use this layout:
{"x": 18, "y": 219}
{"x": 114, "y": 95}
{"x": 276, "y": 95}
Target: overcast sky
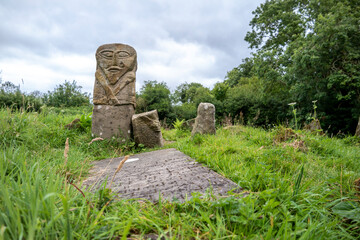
{"x": 43, "y": 43}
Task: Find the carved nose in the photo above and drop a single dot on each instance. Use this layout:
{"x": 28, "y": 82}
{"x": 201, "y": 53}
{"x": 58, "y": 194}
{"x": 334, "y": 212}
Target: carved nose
{"x": 114, "y": 60}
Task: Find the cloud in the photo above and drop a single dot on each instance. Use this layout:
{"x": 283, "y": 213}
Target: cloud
{"x": 44, "y": 74}
{"x": 46, "y": 42}
{"x": 174, "y": 62}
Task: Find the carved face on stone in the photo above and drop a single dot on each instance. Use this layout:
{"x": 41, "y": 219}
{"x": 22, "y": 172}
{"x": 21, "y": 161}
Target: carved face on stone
{"x": 115, "y": 60}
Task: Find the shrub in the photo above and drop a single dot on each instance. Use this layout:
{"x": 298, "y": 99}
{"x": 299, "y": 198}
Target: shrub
{"x": 67, "y": 95}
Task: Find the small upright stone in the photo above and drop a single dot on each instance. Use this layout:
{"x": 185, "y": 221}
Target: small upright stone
{"x": 146, "y": 129}
{"x": 205, "y": 119}
{"x": 314, "y": 126}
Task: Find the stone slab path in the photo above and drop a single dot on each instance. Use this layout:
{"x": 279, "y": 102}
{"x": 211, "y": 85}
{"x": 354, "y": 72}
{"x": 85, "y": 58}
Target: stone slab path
{"x": 168, "y": 172}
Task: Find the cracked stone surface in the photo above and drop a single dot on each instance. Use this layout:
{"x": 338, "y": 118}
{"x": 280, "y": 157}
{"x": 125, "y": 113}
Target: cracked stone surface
{"x": 168, "y": 172}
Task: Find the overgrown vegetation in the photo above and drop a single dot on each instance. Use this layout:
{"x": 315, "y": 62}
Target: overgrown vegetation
{"x": 306, "y": 51}
{"x": 297, "y": 185}
{"x": 303, "y": 51}
{"x": 64, "y": 95}
{"x": 67, "y": 95}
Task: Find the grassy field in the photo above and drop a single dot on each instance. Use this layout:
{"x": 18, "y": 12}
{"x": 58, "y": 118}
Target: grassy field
{"x": 299, "y": 185}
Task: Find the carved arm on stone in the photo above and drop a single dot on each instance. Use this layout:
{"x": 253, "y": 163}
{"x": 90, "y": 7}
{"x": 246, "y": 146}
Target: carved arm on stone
{"x": 130, "y": 77}
{"x": 109, "y": 93}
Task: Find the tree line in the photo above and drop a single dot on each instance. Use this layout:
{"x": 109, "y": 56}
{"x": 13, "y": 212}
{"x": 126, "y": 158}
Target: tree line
{"x": 68, "y": 94}
{"x": 306, "y": 53}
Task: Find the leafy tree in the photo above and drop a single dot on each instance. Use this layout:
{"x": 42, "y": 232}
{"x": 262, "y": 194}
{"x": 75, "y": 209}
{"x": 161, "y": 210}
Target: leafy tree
{"x": 220, "y": 91}
{"x": 154, "y": 95}
{"x": 326, "y": 66}
{"x": 244, "y": 70}
{"x": 186, "y": 92}
{"x": 11, "y": 96}
{"x": 185, "y": 111}
{"x": 67, "y": 95}
{"x": 307, "y": 50}
{"x": 203, "y": 94}
{"x": 190, "y": 95}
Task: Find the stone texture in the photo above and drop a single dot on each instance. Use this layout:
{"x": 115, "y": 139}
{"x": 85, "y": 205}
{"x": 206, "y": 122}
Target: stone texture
{"x": 109, "y": 121}
{"x": 314, "y": 126}
{"x": 205, "y": 119}
{"x": 74, "y": 124}
{"x": 115, "y": 75}
{"x": 168, "y": 172}
{"x": 147, "y": 129}
{"x": 357, "y": 132}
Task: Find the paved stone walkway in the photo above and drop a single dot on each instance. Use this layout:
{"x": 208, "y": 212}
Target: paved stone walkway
{"x": 168, "y": 172}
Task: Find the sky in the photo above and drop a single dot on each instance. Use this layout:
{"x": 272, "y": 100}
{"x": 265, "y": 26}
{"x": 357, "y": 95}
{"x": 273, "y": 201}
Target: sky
{"x": 43, "y": 43}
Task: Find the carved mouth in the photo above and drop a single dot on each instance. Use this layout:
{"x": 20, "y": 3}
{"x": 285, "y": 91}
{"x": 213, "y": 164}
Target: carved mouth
{"x": 114, "y": 69}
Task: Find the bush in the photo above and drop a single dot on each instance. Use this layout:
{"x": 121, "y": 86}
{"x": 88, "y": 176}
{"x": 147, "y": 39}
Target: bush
{"x": 12, "y": 97}
{"x": 67, "y": 95}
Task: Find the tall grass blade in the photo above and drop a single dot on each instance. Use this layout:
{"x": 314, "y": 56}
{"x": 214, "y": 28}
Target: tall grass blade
{"x": 298, "y": 182}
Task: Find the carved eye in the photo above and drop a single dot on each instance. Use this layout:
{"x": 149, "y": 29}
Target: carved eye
{"x": 123, "y": 54}
{"x": 107, "y": 53}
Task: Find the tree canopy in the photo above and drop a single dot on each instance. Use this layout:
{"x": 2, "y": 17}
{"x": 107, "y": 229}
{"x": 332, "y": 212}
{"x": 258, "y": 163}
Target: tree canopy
{"x": 307, "y": 50}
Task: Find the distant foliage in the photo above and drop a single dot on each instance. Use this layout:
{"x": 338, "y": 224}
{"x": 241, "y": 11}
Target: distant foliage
{"x": 304, "y": 51}
{"x": 187, "y": 97}
{"x": 64, "y": 95}
{"x": 154, "y": 95}
{"x": 67, "y": 95}
{"x": 12, "y": 97}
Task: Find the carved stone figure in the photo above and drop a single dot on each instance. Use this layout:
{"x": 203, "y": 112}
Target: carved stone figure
{"x": 114, "y": 91}
{"x": 115, "y": 75}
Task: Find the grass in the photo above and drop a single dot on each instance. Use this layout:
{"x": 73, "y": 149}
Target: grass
{"x": 293, "y": 192}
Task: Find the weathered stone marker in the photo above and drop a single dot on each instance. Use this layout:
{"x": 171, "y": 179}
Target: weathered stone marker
{"x": 147, "y": 129}
{"x": 314, "y": 126}
{"x": 167, "y": 172}
{"x": 114, "y": 91}
{"x": 357, "y": 132}
{"x": 205, "y": 119}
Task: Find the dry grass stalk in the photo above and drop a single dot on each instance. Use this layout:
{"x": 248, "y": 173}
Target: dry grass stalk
{"x": 66, "y": 151}
{"x": 96, "y": 139}
{"x": 284, "y": 134}
{"x": 82, "y": 193}
{"x": 297, "y": 145}
{"x": 357, "y": 187}
{"x": 119, "y": 168}
{"x": 82, "y": 166}
{"x": 227, "y": 121}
